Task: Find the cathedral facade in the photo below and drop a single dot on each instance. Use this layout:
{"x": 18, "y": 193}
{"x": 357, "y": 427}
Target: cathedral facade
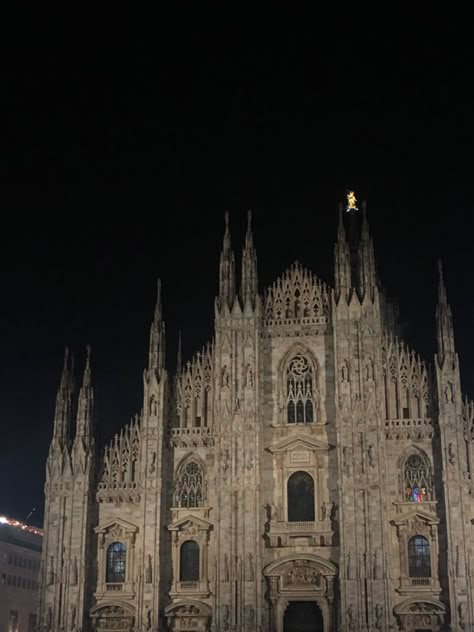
{"x": 305, "y": 471}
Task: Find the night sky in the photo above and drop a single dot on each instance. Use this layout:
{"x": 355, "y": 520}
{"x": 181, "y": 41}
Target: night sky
{"x": 126, "y": 137}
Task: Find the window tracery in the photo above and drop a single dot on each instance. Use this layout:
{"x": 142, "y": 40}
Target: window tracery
{"x": 300, "y": 396}
{"x": 417, "y": 479}
{"x": 189, "y": 492}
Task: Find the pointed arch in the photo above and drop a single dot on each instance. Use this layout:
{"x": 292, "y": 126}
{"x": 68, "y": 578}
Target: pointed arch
{"x": 190, "y": 487}
{"x": 416, "y": 473}
{"x": 299, "y": 373}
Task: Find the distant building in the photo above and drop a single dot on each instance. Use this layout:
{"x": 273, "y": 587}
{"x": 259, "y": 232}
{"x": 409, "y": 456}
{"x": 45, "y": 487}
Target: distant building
{"x": 306, "y": 470}
{"x": 20, "y": 557}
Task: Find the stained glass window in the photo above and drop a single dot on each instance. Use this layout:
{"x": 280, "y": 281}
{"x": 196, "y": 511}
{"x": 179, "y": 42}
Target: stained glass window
{"x": 419, "y": 559}
{"x": 189, "y": 562}
{"x": 417, "y": 479}
{"x": 300, "y": 497}
{"x": 190, "y": 486}
{"x": 116, "y": 557}
{"x": 299, "y": 384}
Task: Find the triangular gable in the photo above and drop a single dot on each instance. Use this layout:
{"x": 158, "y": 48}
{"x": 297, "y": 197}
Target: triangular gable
{"x": 127, "y": 526}
{"x": 192, "y": 520}
{"x": 423, "y": 516}
{"x": 297, "y": 442}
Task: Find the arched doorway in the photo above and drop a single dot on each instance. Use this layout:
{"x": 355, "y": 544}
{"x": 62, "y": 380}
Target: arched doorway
{"x": 303, "y": 616}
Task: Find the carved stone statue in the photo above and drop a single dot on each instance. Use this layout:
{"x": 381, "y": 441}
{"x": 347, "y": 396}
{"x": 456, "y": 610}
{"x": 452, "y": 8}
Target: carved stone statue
{"x": 249, "y": 376}
{"x": 378, "y": 617}
{"x": 73, "y": 617}
{"x": 148, "y": 618}
{"x": 226, "y": 568}
{"x": 462, "y": 615}
{"x": 50, "y": 574}
{"x": 225, "y": 377}
{"x": 149, "y": 571}
{"x": 152, "y": 465}
{"x": 225, "y": 617}
{"x": 74, "y": 572}
{"x": 350, "y": 618}
{"x": 249, "y": 571}
{"x": 323, "y": 511}
{"x": 371, "y": 455}
{"x": 452, "y": 454}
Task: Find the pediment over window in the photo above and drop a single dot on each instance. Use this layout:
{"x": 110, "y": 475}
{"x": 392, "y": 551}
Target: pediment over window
{"x": 113, "y": 616}
{"x": 415, "y": 606}
{"x": 188, "y": 607}
{"x": 416, "y": 519}
{"x": 281, "y": 566}
{"x": 117, "y": 527}
{"x": 299, "y": 442}
{"x": 190, "y": 523}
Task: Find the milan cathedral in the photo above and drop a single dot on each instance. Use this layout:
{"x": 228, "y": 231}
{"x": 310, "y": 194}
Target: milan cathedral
{"x": 305, "y": 470}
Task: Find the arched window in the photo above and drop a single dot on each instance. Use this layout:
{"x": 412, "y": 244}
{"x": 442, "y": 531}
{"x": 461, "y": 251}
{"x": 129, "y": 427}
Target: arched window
{"x": 299, "y": 388}
{"x": 300, "y": 497}
{"x": 417, "y": 479}
{"x": 189, "y": 562}
{"x": 419, "y": 559}
{"x": 116, "y": 556}
{"x": 189, "y": 486}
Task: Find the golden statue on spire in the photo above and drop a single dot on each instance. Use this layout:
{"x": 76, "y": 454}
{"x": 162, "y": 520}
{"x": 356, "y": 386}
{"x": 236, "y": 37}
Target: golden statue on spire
{"x": 351, "y": 202}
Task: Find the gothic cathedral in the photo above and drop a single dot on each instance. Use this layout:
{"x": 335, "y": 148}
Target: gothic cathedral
{"x": 305, "y": 471}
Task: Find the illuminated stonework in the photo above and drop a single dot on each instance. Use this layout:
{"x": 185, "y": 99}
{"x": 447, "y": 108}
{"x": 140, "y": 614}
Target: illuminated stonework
{"x": 305, "y": 462}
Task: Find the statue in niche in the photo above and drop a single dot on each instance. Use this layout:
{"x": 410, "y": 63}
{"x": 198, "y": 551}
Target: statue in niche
{"x": 333, "y": 511}
{"x": 371, "y": 455}
{"x": 273, "y": 512}
{"x": 345, "y": 371}
{"x": 149, "y": 571}
{"x": 249, "y": 614}
{"x": 49, "y": 618}
{"x": 350, "y": 618}
{"x": 248, "y": 376}
{"x": 249, "y": 464}
{"x": 225, "y": 617}
{"x": 462, "y": 615}
{"x": 148, "y": 618}
{"x": 73, "y": 618}
{"x": 225, "y": 460}
{"x": 249, "y": 573}
{"x": 152, "y": 467}
{"x": 50, "y": 574}
{"x": 74, "y": 572}
{"x": 378, "y": 616}
{"x": 153, "y": 406}
{"x": 369, "y": 371}
{"x": 448, "y": 393}
{"x": 225, "y": 381}
{"x": 452, "y": 454}
{"x": 323, "y": 511}
{"x": 226, "y": 568}
{"x": 349, "y": 566}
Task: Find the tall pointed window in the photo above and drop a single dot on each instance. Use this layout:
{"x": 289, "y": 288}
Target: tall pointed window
{"x": 116, "y": 557}
{"x": 417, "y": 478}
{"x": 189, "y": 562}
{"x": 299, "y": 388}
{"x": 419, "y": 558}
{"x": 189, "y": 486}
{"x": 300, "y": 497}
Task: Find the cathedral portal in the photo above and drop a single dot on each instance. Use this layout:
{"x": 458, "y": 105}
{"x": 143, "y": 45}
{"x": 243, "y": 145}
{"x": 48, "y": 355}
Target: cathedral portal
{"x": 303, "y": 616}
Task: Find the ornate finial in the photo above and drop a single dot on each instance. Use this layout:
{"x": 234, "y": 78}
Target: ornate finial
{"x": 351, "y": 202}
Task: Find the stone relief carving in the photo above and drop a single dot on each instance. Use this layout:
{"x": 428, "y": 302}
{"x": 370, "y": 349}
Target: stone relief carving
{"x": 350, "y": 618}
{"x": 378, "y": 617}
{"x": 225, "y": 617}
{"x": 50, "y": 574}
{"x": 448, "y": 393}
{"x": 371, "y": 455}
{"x": 452, "y": 454}
{"x": 152, "y": 466}
{"x": 249, "y": 376}
{"x": 149, "y": 571}
{"x": 323, "y": 511}
{"x": 225, "y": 377}
{"x": 249, "y": 571}
{"x": 74, "y": 572}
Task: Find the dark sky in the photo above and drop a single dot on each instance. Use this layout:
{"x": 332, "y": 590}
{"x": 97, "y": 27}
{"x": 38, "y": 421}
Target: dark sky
{"x": 126, "y": 137}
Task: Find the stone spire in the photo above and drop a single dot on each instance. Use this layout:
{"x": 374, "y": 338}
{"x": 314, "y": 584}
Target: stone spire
{"x": 156, "y": 354}
{"x": 227, "y": 270}
{"x": 62, "y": 415}
{"x": 342, "y": 262}
{"x": 249, "y": 267}
{"x": 85, "y": 409}
{"x": 444, "y": 322}
{"x": 367, "y": 273}
{"x": 179, "y": 356}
